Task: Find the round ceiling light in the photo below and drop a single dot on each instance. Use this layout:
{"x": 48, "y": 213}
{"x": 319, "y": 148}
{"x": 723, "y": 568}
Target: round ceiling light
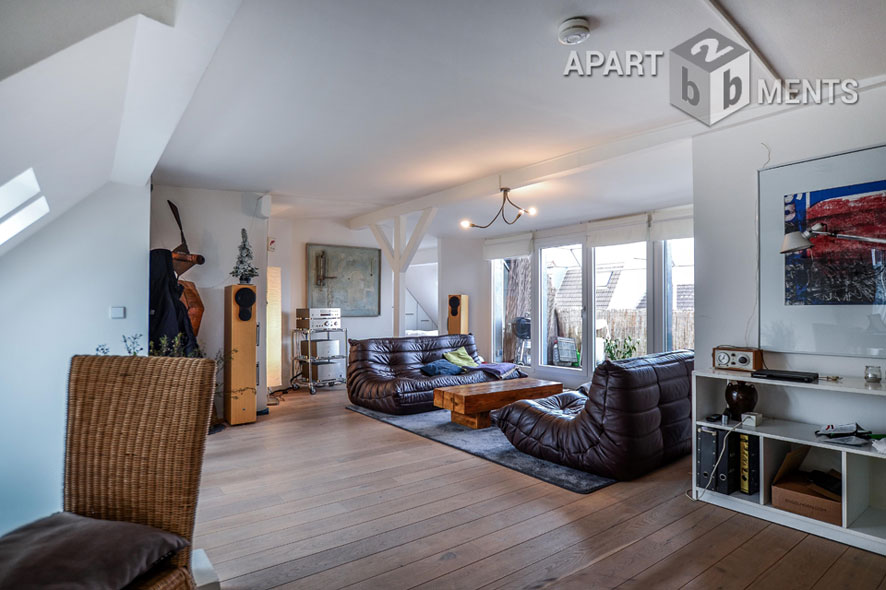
{"x": 574, "y": 30}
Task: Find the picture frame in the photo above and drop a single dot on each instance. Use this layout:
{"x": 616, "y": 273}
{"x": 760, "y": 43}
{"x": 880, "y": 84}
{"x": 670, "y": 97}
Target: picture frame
{"x": 830, "y": 298}
{"x": 347, "y": 277}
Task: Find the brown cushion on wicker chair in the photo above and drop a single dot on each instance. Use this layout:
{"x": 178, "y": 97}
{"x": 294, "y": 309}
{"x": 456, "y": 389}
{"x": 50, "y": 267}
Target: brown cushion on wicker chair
{"x": 71, "y": 551}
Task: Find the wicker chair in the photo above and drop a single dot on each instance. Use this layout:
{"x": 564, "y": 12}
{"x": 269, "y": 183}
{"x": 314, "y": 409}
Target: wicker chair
{"x": 134, "y": 449}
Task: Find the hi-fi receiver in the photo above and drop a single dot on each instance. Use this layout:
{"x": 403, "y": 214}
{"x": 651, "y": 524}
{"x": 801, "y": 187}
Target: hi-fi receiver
{"x": 734, "y": 358}
{"x": 318, "y": 318}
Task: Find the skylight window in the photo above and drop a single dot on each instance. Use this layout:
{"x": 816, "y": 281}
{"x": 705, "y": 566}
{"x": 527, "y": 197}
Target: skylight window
{"x": 17, "y": 192}
{"x": 22, "y": 219}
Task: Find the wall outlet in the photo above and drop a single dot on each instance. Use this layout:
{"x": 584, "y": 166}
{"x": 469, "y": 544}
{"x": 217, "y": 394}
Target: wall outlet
{"x": 117, "y": 313}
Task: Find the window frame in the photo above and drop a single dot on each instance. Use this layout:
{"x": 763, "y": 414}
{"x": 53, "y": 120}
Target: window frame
{"x": 657, "y": 294}
{"x": 553, "y": 372}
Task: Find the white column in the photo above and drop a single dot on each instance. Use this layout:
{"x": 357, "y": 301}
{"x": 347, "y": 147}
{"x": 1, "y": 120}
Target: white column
{"x": 399, "y": 277}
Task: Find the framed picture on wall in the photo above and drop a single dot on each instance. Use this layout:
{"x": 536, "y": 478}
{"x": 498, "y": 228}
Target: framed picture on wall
{"x": 823, "y": 255}
{"x": 346, "y": 277}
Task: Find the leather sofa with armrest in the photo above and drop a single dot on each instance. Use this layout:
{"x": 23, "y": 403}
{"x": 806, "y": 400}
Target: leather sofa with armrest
{"x": 384, "y": 374}
{"x": 635, "y": 416}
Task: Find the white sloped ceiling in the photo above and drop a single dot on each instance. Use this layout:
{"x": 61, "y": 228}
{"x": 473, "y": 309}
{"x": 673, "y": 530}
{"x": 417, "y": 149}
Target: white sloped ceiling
{"x": 104, "y": 108}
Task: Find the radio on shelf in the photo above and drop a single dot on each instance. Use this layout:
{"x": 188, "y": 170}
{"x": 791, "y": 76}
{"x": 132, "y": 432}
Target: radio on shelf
{"x": 318, "y": 318}
{"x": 733, "y": 358}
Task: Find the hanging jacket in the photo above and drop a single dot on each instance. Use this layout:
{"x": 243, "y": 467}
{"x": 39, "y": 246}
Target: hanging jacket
{"x": 168, "y": 315}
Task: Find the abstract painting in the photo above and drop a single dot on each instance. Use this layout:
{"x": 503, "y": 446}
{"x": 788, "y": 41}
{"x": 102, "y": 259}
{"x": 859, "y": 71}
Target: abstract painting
{"x": 346, "y": 277}
{"x": 827, "y": 293}
{"x": 837, "y": 271}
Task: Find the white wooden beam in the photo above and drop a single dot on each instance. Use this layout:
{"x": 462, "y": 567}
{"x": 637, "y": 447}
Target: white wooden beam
{"x": 418, "y": 234}
{"x": 399, "y": 255}
{"x": 384, "y": 244}
{"x": 726, "y": 18}
{"x": 399, "y": 239}
{"x": 517, "y": 177}
{"x": 399, "y": 277}
{"x": 462, "y": 192}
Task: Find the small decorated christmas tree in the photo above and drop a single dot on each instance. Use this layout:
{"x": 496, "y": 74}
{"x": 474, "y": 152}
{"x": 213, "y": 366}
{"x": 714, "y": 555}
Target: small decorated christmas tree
{"x": 243, "y": 268}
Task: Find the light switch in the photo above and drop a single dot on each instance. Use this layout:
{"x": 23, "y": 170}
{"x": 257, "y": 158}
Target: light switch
{"x": 117, "y": 313}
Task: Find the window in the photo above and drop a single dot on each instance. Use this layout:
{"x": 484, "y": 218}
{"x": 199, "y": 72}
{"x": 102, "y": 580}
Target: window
{"x": 620, "y": 301}
{"x": 512, "y": 309}
{"x": 680, "y": 293}
{"x": 561, "y": 300}
{"x": 636, "y": 273}
{"x": 14, "y": 194}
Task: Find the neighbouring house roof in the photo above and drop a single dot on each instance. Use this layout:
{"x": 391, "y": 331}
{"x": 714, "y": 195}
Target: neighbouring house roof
{"x": 685, "y": 298}
{"x": 569, "y": 294}
{"x": 604, "y": 292}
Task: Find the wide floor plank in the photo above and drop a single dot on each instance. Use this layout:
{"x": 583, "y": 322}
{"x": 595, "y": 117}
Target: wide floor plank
{"x": 314, "y": 496}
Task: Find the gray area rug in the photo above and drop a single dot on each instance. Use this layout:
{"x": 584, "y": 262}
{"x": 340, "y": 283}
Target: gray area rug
{"x": 492, "y": 445}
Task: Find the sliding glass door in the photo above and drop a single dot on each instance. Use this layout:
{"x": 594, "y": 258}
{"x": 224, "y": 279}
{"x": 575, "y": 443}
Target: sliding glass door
{"x": 635, "y": 273}
{"x": 679, "y": 257}
{"x": 620, "y": 301}
{"x": 561, "y": 299}
{"x": 512, "y": 309}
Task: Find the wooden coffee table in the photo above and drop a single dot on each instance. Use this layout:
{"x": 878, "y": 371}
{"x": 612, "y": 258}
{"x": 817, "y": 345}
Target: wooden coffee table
{"x": 470, "y": 404}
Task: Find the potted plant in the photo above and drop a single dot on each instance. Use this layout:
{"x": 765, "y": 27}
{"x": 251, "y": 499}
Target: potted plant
{"x": 243, "y": 267}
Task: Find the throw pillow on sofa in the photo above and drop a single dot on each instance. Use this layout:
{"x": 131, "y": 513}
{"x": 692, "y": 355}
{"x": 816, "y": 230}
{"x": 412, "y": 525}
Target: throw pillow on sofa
{"x": 76, "y": 552}
{"x": 441, "y": 367}
{"x": 460, "y": 357}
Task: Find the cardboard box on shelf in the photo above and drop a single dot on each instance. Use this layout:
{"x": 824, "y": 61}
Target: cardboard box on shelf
{"x": 793, "y": 492}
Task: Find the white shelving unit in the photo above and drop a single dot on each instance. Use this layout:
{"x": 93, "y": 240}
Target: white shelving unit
{"x": 863, "y": 469}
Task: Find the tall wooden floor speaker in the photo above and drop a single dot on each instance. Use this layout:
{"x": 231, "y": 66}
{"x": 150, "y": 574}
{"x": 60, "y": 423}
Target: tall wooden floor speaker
{"x": 240, "y": 340}
{"x": 457, "y": 306}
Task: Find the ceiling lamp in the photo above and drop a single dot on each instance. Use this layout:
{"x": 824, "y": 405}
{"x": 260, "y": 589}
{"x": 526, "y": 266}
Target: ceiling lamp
{"x": 505, "y": 200}
{"x": 574, "y": 30}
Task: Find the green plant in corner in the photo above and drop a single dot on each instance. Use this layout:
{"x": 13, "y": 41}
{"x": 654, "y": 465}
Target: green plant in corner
{"x": 174, "y": 348}
{"x": 131, "y": 344}
{"x": 619, "y": 348}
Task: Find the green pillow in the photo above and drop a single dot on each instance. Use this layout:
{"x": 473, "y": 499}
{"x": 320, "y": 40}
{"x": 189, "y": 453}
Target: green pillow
{"x": 460, "y": 358}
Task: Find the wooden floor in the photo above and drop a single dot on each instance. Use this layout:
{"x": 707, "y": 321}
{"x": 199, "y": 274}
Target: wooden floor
{"x": 317, "y": 497}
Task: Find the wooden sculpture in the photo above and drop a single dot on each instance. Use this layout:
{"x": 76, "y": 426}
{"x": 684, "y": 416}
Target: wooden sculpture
{"x": 182, "y": 261}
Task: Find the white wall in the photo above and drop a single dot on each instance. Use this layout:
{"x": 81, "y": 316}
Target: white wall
{"x": 725, "y": 164}
{"x": 462, "y": 269}
{"x": 58, "y": 286}
{"x": 328, "y": 231}
{"x": 212, "y": 221}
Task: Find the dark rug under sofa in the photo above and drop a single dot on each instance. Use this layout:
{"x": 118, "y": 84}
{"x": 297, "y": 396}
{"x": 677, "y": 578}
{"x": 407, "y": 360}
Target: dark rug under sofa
{"x": 489, "y": 444}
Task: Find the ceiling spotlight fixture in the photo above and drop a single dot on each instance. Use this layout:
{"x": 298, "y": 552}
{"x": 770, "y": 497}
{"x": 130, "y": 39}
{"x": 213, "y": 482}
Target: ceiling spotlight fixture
{"x": 505, "y": 200}
{"x": 574, "y": 30}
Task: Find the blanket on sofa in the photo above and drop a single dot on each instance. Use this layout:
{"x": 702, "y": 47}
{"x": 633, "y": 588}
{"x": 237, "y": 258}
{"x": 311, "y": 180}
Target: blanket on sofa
{"x": 497, "y": 370}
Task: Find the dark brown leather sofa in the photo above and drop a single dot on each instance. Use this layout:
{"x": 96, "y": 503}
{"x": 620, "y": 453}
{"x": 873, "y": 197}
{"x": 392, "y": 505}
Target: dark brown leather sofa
{"x": 384, "y": 374}
{"x": 635, "y": 416}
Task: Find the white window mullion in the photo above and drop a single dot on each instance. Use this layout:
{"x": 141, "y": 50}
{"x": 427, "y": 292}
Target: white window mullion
{"x": 591, "y": 313}
{"x": 656, "y": 290}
